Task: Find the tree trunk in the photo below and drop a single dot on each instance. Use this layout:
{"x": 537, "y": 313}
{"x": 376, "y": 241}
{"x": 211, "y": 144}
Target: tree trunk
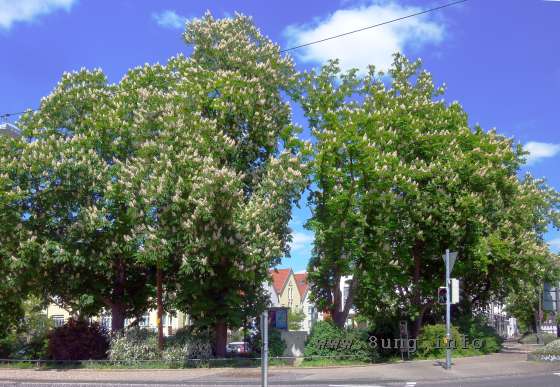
{"x": 117, "y": 317}
{"x": 340, "y": 314}
{"x": 419, "y": 321}
{"x": 220, "y": 330}
{"x": 159, "y": 300}
{"x": 336, "y": 306}
{"x": 117, "y": 300}
{"x": 417, "y": 296}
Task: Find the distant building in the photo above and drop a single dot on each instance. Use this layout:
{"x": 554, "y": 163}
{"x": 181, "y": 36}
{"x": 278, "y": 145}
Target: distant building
{"x": 311, "y": 315}
{"x": 170, "y": 321}
{"x": 291, "y": 290}
{"x": 497, "y": 317}
{"x": 285, "y": 286}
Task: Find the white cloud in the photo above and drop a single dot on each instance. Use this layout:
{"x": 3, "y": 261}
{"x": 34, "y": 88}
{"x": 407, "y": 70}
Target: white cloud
{"x": 301, "y": 241}
{"x": 540, "y": 150}
{"x": 170, "y": 19}
{"x": 13, "y": 11}
{"x": 374, "y": 46}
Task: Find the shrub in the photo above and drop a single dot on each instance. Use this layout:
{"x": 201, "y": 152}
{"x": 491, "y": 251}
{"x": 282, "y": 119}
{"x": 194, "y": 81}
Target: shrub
{"x": 295, "y": 319}
{"x": 78, "y": 340}
{"x": 431, "y": 343}
{"x": 134, "y": 345}
{"x": 137, "y": 345}
{"x": 326, "y": 339}
{"x": 476, "y": 328}
{"x": 552, "y": 348}
{"x": 276, "y": 345}
{"x": 193, "y": 344}
{"x": 531, "y": 338}
{"x": 29, "y": 338}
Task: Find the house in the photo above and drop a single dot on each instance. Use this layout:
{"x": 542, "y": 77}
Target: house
{"x": 171, "y": 321}
{"x": 289, "y": 289}
{"x": 285, "y": 286}
{"x": 308, "y": 307}
{"x": 498, "y": 318}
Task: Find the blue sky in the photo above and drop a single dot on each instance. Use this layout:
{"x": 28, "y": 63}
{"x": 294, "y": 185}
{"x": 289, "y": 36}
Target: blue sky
{"x": 500, "y": 58}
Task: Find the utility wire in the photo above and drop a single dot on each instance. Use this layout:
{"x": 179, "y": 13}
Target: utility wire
{"x": 6, "y": 115}
{"x": 374, "y": 26}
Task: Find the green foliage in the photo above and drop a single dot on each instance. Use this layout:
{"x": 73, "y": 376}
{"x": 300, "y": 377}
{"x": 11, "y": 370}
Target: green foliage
{"x": 137, "y": 346}
{"x": 276, "y": 345}
{"x": 531, "y": 338}
{"x": 134, "y": 345}
{"x": 551, "y": 348}
{"x": 192, "y": 166}
{"x": 193, "y": 344}
{"x": 431, "y": 341}
{"x": 400, "y": 176}
{"x": 29, "y": 338}
{"x": 295, "y": 319}
{"x": 326, "y": 339}
{"x": 78, "y": 340}
{"x": 476, "y": 328}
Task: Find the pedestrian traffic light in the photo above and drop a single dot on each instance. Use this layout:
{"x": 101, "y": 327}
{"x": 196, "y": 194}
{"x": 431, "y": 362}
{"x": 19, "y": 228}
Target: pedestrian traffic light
{"x": 442, "y": 295}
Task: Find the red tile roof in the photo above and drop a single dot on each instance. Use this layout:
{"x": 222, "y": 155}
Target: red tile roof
{"x": 279, "y": 278}
{"x": 301, "y": 281}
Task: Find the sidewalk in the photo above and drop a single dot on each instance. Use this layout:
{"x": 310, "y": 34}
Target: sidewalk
{"x": 503, "y": 364}
{"x": 515, "y": 347}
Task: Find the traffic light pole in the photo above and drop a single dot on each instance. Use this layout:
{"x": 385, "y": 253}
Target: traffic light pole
{"x": 447, "y": 311}
{"x": 264, "y": 349}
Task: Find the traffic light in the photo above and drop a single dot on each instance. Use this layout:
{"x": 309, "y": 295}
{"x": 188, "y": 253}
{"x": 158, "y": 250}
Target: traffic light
{"x": 442, "y": 295}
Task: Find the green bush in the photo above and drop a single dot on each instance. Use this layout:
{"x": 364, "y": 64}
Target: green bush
{"x": 327, "y": 340}
{"x": 531, "y": 338}
{"x": 552, "y": 348}
{"x": 431, "y": 341}
{"x": 139, "y": 345}
{"x": 476, "y": 328}
{"x": 193, "y": 344}
{"x": 295, "y": 319}
{"x": 78, "y": 340}
{"x": 29, "y": 339}
{"x": 276, "y": 345}
{"x": 133, "y": 346}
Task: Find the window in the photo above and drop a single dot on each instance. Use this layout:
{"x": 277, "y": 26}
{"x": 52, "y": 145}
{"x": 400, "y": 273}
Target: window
{"x": 58, "y": 320}
{"x": 144, "y": 321}
{"x": 167, "y": 319}
{"x": 290, "y": 295}
{"x": 106, "y": 321}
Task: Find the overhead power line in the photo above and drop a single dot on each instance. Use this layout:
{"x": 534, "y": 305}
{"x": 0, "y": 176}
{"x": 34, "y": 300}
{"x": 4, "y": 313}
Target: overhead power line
{"x": 374, "y": 25}
{"x": 7, "y": 115}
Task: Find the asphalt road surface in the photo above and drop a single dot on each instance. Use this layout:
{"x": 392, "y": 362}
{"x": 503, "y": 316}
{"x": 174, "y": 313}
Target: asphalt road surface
{"x": 540, "y": 380}
{"x": 508, "y": 370}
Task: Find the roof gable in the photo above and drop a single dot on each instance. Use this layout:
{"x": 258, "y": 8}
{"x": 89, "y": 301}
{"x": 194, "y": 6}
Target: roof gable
{"x": 280, "y": 278}
{"x": 302, "y": 285}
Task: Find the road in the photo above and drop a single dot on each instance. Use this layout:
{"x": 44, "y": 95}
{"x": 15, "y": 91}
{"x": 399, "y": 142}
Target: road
{"x": 544, "y": 380}
{"x": 490, "y": 371}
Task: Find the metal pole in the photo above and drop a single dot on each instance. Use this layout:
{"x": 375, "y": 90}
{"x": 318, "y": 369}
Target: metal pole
{"x": 447, "y": 311}
{"x": 557, "y": 309}
{"x": 539, "y": 320}
{"x": 264, "y": 352}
